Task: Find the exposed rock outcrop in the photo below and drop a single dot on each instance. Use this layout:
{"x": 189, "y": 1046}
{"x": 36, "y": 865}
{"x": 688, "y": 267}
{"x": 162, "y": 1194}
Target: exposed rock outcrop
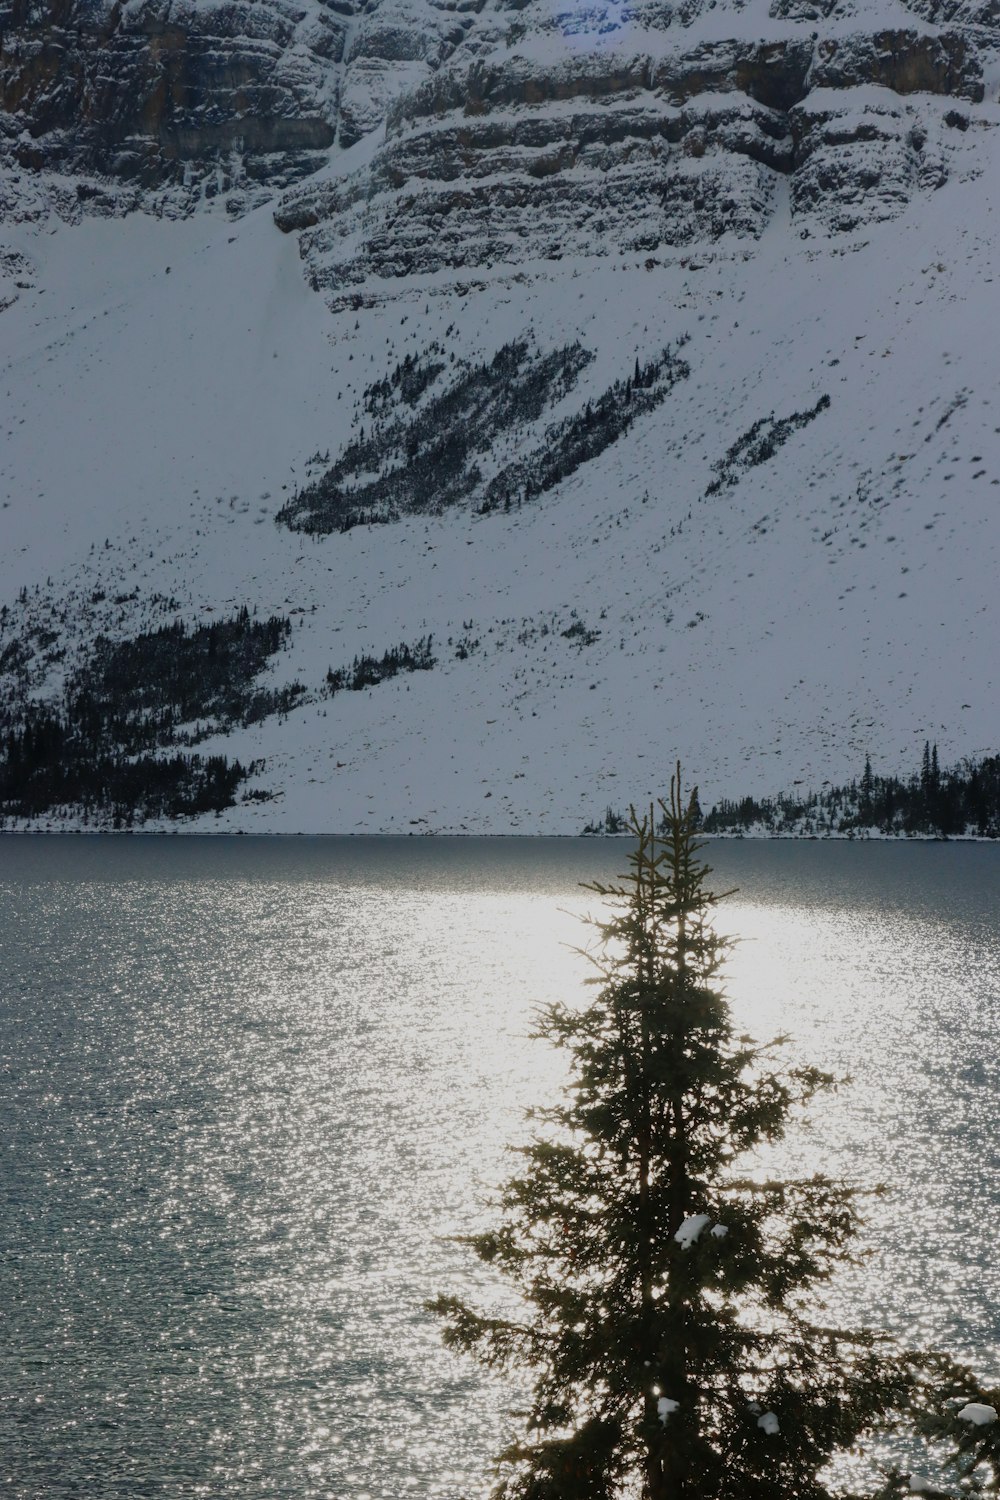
{"x": 513, "y": 131}
{"x": 180, "y": 101}
{"x": 214, "y": 99}
{"x": 522, "y": 151}
{"x": 393, "y": 48}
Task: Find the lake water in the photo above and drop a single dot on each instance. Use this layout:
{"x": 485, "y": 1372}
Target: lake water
{"x": 249, "y": 1089}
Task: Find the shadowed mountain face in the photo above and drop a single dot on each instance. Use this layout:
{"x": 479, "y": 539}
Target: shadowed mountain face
{"x": 154, "y": 95}
{"x": 183, "y": 101}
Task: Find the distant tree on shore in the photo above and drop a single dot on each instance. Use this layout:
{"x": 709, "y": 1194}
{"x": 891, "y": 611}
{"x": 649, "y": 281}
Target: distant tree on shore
{"x": 960, "y": 802}
{"x": 963, "y": 801}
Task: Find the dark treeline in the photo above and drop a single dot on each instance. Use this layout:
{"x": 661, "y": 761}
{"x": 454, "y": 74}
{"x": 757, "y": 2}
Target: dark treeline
{"x": 369, "y": 671}
{"x": 760, "y": 443}
{"x": 411, "y": 378}
{"x": 94, "y": 749}
{"x": 582, "y": 437}
{"x": 46, "y": 765}
{"x": 142, "y": 690}
{"x": 961, "y": 802}
{"x": 427, "y": 462}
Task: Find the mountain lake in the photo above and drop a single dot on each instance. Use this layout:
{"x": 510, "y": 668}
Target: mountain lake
{"x": 252, "y": 1089}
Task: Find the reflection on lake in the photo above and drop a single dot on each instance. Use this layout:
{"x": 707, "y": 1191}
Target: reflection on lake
{"x": 249, "y": 1088}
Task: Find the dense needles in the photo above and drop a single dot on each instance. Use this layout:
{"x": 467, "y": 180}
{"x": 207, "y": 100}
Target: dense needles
{"x": 673, "y": 1326}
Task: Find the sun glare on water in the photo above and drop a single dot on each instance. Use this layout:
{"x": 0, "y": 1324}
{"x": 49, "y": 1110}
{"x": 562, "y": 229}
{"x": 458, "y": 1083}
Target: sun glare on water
{"x": 252, "y": 1095}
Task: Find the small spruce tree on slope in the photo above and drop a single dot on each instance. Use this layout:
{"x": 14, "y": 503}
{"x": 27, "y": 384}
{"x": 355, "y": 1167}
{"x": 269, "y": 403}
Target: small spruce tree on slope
{"x": 673, "y": 1326}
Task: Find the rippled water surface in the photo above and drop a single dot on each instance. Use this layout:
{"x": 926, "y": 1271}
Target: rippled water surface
{"x": 249, "y": 1089}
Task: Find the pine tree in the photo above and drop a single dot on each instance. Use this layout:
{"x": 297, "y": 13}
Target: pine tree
{"x": 958, "y": 1415}
{"x": 866, "y": 812}
{"x": 673, "y": 1347}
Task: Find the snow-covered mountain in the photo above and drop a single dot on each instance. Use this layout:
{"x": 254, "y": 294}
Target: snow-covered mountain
{"x": 584, "y": 385}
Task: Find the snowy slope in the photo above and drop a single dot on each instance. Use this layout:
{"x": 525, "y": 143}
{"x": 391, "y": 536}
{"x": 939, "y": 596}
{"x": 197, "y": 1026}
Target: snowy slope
{"x": 165, "y": 385}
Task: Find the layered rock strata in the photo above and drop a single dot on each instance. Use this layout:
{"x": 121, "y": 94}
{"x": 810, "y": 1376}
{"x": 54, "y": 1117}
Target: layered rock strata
{"x": 181, "y": 101}
{"x": 526, "y": 150}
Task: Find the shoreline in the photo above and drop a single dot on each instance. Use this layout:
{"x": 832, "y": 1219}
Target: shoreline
{"x": 866, "y": 836}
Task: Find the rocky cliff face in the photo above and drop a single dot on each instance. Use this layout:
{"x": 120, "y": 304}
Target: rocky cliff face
{"x": 513, "y": 131}
{"x": 163, "y": 103}
{"x": 610, "y": 125}
{"x": 630, "y": 130}
{"x": 209, "y": 99}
